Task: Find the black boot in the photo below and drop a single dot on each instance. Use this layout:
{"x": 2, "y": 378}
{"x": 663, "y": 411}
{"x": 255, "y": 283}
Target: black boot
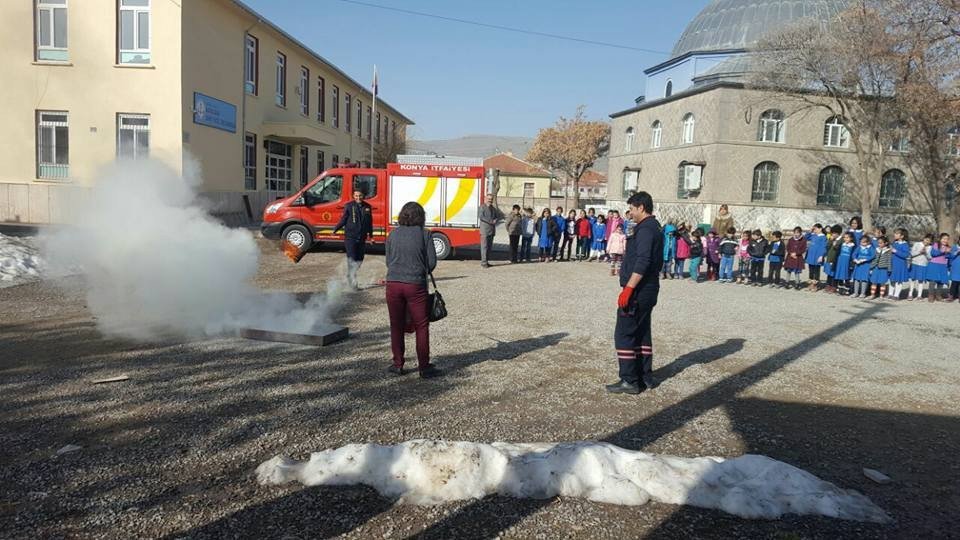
{"x": 623, "y": 387}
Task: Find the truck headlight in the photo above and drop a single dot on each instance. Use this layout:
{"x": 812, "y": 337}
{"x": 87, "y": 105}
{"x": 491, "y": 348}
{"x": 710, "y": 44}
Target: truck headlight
{"x": 272, "y": 209}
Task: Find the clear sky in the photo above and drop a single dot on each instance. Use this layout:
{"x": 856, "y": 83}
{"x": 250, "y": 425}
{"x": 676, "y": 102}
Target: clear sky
{"x": 454, "y": 79}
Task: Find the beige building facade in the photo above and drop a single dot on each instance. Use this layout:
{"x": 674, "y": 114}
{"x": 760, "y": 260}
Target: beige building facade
{"x": 209, "y": 82}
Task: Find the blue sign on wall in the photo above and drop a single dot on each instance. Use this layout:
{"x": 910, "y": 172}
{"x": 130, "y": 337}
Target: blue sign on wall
{"x": 208, "y": 111}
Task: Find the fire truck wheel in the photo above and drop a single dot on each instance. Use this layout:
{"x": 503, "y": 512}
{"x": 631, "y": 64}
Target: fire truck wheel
{"x": 442, "y": 245}
{"x": 298, "y": 235}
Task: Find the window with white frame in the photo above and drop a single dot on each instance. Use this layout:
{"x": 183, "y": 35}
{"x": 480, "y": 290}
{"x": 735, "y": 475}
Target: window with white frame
{"x": 134, "y": 32}
{"x": 377, "y": 131}
{"x": 53, "y": 145}
{"x": 628, "y": 140}
{"x": 304, "y": 90}
{"x": 249, "y": 161}
{"x": 304, "y": 164}
{"x": 279, "y": 166}
{"x": 336, "y": 161}
{"x": 321, "y": 162}
{"x": 893, "y": 189}
{"x": 766, "y": 182}
{"x": 830, "y": 186}
{"x": 772, "y": 124}
{"x": 529, "y": 188}
{"x": 133, "y": 136}
{"x": 335, "y": 113}
{"x": 251, "y": 65}
{"x": 321, "y": 99}
{"x": 280, "y": 79}
{"x": 689, "y": 180}
{"x": 953, "y": 142}
{"x": 51, "y": 17}
{"x": 369, "y": 124}
{"x": 899, "y": 141}
{"x": 631, "y": 181}
{"x": 688, "y": 127}
{"x": 347, "y": 112}
{"x": 835, "y": 134}
{"x": 656, "y": 134}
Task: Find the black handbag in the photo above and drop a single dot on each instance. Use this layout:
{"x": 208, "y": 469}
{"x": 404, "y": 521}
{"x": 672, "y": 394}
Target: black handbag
{"x": 438, "y": 308}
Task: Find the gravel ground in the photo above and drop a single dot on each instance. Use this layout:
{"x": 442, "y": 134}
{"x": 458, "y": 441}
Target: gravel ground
{"x": 828, "y": 384}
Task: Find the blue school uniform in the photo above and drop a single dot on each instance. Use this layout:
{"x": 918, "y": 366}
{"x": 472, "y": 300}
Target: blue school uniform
{"x": 545, "y": 241}
{"x": 938, "y": 272}
{"x": 669, "y": 242}
{"x": 816, "y": 249}
{"x": 774, "y": 246}
{"x": 954, "y": 258}
{"x": 857, "y": 235}
{"x": 861, "y": 270}
{"x": 599, "y": 230}
{"x": 842, "y": 270}
{"x": 901, "y": 255}
{"x": 880, "y": 276}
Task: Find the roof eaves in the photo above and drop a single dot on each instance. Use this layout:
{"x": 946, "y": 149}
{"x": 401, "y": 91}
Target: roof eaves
{"x": 684, "y": 56}
{"x": 680, "y": 95}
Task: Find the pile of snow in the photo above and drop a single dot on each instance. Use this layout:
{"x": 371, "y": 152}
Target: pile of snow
{"x": 18, "y": 260}
{"x": 428, "y": 472}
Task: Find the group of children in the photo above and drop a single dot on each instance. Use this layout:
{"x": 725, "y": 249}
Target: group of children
{"x": 854, "y": 263}
{"x": 592, "y": 237}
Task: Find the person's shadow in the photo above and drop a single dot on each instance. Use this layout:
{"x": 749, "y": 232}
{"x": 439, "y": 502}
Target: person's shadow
{"x": 701, "y": 356}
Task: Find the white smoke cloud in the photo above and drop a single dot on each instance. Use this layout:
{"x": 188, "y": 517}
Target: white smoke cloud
{"x": 156, "y": 263}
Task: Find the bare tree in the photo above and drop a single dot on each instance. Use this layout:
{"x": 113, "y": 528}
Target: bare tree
{"x": 571, "y": 147}
{"x": 388, "y": 150}
{"x": 848, "y": 68}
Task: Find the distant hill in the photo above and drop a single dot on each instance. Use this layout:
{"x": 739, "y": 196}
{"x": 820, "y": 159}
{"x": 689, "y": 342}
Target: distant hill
{"x": 483, "y": 146}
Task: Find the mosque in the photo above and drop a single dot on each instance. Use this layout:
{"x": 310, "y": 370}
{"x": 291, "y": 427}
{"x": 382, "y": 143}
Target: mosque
{"x": 698, "y": 137}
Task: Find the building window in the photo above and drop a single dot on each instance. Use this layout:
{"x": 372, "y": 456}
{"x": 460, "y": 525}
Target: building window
{"x": 251, "y": 65}
{"x": 249, "y": 161}
{"x": 830, "y": 186}
{"x": 335, "y": 100}
{"x": 369, "y": 125}
{"x": 386, "y": 128}
{"x": 378, "y": 129}
{"x": 953, "y": 138}
{"x": 689, "y": 180}
{"x": 656, "y": 134}
{"x": 668, "y": 91}
{"x": 393, "y": 131}
{"x": 772, "y": 126}
{"x": 133, "y": 136}
{"x": 281, "y": 80}
{"x": 304, "y": 164}
{"x": 688, "y": 126}
{"x": 336, "y": 161}
{"x": 628, "y": 140}
{"x": 893, "y": 188}
{"x": 950, "y": 192}
{"x": 53, "y": 145}
{"x": 359, "y": 118}
{"x": 304, "y": 91}
{"x": 529, "y": 188}
{"x": 321, "y": 99}
{"x": 134, "y": 22}
{"x": 631, "y": 182}
{"x": 321, "y": 166}
{"x": 766, "y": 182}
{"x": 347, "y": 111}
{"x": 835, "y": 134}
{"x": 51, "y": 30}
{"x": 899, "y": 141}
{"x": 279, "y": 169}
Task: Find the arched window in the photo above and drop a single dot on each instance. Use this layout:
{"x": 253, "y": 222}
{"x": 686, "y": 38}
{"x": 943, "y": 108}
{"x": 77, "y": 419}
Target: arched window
{"x": 772, "y": 124}
{"x": 830, "y": 186}
{"x": 668, "y": 91}
{"x": 835, "y": 134}
{"x": 656, "y": 134}
{"x": 628, "y": 140}
{"x": 688, "y": 125}
{"x": 766, "y": 182}
{"x": 893, "y": 188}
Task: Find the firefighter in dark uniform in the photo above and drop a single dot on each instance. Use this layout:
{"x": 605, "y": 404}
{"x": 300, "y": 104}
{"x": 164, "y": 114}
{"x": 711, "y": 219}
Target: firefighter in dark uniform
{"x": 357, "y": 225}
{"x": 640, "y": 279}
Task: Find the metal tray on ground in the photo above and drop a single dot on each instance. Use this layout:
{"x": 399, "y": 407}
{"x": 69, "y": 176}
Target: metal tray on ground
{"x": 330, "y": 335}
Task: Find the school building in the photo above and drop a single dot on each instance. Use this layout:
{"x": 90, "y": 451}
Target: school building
{"x": 86, "y": 83}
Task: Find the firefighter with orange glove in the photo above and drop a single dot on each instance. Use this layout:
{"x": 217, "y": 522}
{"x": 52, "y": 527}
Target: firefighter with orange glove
{"x": 640, "y": 279}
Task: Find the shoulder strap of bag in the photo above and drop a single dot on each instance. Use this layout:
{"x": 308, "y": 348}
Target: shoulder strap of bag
{"x": 426, "y": 241}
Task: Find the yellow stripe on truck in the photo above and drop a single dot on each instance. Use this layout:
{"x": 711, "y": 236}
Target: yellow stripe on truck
{"x": 429, "y": 189}
{"x": 460, "y": 199}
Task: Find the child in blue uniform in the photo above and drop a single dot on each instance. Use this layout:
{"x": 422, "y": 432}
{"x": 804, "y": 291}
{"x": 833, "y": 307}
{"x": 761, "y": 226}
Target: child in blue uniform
{"x": 856, "y": 229}
{"x": 816, "y": 254}
{"x": 900, "y": 273}
{"x": 841, "y": 273}
{"x": 777, "y": 252}
{"x": 862, "y": 258}
{"x": 954, "y": 258}
{"x": 599, "y": 246}
{"x": 669, "y": 249}
{"x": 937, "y": 271}
{"x": 880, "y": 268}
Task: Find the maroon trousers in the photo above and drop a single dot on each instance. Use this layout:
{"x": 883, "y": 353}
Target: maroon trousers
{"x": 403, "y": 298}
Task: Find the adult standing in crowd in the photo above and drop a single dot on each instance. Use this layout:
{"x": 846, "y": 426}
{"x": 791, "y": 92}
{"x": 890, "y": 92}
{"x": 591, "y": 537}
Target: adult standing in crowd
{"x": 490, "y": 215}
{"x": 410, "y": 259}
{"x": 357, "y": 225}
{"x": 640, "y": 279}
{"x": 723, "y": 221}
{"x": 514, "y": 228}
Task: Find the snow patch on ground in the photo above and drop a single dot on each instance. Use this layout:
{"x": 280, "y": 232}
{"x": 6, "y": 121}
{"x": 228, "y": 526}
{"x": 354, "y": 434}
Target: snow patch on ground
{"x": 19, "y": 260}
{"x": 426, "y": 472}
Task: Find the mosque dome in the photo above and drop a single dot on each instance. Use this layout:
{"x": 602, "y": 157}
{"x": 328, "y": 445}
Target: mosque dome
{"x": 740, "y": 24}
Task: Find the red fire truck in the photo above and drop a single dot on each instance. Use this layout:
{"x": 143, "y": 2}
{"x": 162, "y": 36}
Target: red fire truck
{"x": 450, "y": 189}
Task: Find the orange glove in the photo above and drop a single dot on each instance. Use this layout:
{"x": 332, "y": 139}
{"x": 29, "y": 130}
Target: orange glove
{"x": 625, "y": 295}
